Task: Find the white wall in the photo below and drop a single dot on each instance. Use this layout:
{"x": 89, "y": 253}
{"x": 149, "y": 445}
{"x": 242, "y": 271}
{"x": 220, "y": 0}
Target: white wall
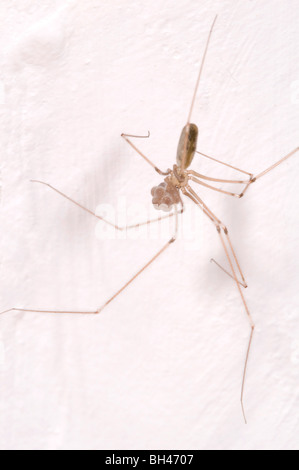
{"x": 162, "y": 366}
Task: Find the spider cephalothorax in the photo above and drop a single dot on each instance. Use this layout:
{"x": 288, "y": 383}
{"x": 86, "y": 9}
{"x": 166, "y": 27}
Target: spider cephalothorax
{"x": 165, "y": 196}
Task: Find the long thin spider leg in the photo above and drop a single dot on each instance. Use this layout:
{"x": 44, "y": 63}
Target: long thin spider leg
{"x": 196, "y": 180}
{"x": 220, "y": 227}
{"x": 252, "y": 326}
{"x": 48, "y": 311}
{"x": 125, "y": 136}
{"x": 252, "y": 177}
{"x": 184, "y": 154}
{"x": 214, "y": 219}
{"x": 276, "y": 164}
{"x": 219, "y": 180}
{"x": 137, "y": 136}
{"x": 255, "y": 178}
{"x": 238, "y": 195}
{"x": 172, "y": 240}
{"x": 226, "y": 272}
{"x": 218, "y": 222}
{"x": 200, "y": 70}
{"x": 225, "y": 164}
{"x": 126, "y": 227}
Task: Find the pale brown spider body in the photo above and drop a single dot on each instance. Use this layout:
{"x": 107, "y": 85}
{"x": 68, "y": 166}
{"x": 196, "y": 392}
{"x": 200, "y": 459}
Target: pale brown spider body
{"x": 167, "y": 193}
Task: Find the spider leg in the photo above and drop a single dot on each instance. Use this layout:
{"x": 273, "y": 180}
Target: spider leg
{"x": 270, "y": 168}
{"x": 220, "y": 180}
{"x": 252, "y": 179}
{"x": 213, "y": 218}
{"x": 48, "y": 311}
{"x": 221, "y": 228}
{"x": 243, "y": 284}
{"x": 172, "y": 240}
{"x": 223, "y": 163}
{"x": 125, "y": 136}
{"x": 196, "y": 180}
{"x": 126, "y": 227}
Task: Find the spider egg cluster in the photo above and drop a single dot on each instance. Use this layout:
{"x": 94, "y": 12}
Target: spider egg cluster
{"x": 165, "y": 196}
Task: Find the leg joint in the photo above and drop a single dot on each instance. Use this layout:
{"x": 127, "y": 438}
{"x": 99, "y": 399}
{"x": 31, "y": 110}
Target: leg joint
{"x": 223, "y": 227}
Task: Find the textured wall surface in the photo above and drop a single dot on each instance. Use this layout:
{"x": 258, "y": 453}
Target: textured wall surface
{"x": 161, "y": 367}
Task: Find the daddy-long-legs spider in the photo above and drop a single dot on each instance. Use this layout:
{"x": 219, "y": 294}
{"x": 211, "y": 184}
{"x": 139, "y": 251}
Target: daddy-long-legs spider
{"x": 168, "y": 197}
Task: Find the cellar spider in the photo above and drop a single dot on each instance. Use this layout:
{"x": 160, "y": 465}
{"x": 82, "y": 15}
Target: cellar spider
{"x": 167, "y": 196}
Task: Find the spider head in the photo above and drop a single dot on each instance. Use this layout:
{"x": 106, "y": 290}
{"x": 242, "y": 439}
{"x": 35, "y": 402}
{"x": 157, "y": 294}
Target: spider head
{"x": 165, "y": 196}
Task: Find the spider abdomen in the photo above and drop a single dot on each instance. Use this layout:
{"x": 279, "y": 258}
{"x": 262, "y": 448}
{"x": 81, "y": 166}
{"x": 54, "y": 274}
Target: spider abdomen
{"x": 187, "y": 146}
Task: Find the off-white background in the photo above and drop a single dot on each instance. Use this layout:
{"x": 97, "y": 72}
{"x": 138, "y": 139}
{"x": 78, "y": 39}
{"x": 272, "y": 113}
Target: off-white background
{"x": 162, "y": 366}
